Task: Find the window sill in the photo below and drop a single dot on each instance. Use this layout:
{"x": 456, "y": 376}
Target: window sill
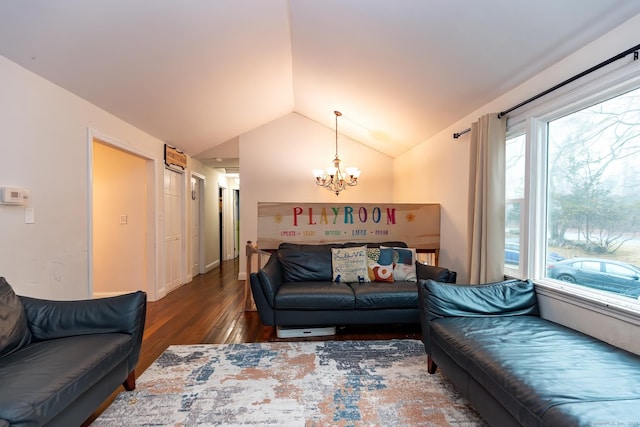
{"x": 625, "y": 309}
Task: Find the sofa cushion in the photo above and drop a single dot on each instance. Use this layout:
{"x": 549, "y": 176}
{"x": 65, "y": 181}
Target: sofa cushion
{"x": 349, "y": 264}
{"x": 507, "y": 298}
{"x": 380, "y": 264}
{"x": 42, "y": 378}
{"x": 314, "y": 296}
{"x": 301, "y": 263}
{"x": 382, "y": 295}
{"x": 404, "y": 264}
{"x": 49, "y": 319}
{"x": 14, "y": 332}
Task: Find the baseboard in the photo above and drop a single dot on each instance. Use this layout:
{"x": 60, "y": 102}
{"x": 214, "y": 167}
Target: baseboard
{"x": 211, "y": 266}
{"x": 284, "y": 332}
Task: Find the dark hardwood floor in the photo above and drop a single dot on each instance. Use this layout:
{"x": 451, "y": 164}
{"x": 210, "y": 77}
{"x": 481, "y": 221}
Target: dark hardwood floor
{"x": 210, "y": 309}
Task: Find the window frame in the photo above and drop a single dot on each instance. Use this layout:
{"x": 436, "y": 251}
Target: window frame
{"x": 532, "y": 121}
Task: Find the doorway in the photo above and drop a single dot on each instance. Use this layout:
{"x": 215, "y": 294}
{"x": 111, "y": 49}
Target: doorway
{"x": 221, "y": 222}
{"x": 236, "y": 223}
{"x": 197, "y": 225}
{"x": 121, "y": 238}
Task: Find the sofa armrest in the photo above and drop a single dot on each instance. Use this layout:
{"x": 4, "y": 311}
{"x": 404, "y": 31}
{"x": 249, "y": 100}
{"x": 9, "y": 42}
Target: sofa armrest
{"x": 264, "y": 286}
{"x": 439, "y": 274}
{"x": 271, "y": 277}
{"x": 507, "y": 298}
{"x": 48, "y": 319}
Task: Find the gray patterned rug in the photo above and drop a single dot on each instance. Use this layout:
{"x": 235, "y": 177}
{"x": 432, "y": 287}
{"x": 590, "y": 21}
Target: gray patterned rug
{"x": 341, "y": 383}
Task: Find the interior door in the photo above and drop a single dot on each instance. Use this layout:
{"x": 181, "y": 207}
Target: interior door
{"x": 172, "y": 229}
{"x": 195, "y": 226}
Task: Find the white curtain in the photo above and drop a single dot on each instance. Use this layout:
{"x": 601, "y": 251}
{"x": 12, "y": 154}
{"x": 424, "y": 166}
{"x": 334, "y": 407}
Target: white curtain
{"x": 486, "y": 199}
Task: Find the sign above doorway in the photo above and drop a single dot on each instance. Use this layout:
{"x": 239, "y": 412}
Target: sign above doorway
{"x": 174, "y": 157}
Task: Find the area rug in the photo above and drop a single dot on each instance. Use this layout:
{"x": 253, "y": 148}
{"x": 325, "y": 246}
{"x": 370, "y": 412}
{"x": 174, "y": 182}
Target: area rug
{"x": 328, "y": 383}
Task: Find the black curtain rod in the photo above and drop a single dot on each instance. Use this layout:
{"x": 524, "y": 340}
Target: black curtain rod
{"x": 621, "y": 55}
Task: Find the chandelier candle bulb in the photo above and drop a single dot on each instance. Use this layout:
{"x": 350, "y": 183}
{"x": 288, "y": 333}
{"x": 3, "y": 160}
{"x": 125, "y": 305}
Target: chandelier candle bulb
{"x": 353, "y": 172}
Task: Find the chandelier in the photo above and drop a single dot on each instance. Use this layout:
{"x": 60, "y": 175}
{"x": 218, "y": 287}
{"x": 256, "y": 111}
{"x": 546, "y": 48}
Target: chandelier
{"x": 334, "y": 179}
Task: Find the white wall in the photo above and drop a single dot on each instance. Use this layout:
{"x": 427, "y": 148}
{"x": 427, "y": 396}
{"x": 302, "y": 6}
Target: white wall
{"x": 45, "y": 149}
{"x": 440, "y": 166}
{"x": 276, "y": 163}
{"x": 438, "y": 170}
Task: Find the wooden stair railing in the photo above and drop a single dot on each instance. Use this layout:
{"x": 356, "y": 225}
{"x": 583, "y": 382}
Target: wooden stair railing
{"x": 428, "y": 256}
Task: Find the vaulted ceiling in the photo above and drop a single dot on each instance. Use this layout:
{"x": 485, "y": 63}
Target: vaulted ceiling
{"x": 197, "y": 74}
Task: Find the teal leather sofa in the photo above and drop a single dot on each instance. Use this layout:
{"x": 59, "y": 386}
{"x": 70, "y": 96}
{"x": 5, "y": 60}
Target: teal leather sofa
{"x": 60, "y": 360}
{"x": 295, "y": 289}
{"x": 518, "y": 369}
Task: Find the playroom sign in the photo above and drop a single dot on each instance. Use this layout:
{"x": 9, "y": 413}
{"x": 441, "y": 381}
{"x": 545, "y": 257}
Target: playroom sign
{"x": 418, "y": 225}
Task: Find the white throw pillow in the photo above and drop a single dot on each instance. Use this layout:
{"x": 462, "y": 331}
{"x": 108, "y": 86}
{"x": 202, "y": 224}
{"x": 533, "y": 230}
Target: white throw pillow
{"x": 349, "y": 264}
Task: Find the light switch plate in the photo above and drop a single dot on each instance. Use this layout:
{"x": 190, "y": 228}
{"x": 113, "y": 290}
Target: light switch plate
{"x": 29, "y": 216}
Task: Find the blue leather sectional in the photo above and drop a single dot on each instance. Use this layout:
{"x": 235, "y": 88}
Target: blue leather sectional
{"x": 518, "y": 369}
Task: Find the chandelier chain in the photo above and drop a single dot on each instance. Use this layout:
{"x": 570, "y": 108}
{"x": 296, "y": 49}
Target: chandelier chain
{"x": 338, "y": 114}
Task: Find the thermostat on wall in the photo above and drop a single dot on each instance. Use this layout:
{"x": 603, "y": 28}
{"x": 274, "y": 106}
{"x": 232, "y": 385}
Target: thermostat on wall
{"x": 12, "y": 196}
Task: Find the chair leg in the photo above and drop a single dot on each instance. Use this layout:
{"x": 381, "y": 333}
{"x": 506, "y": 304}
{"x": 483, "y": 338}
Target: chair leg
{"x": 130, "y": 383}
{"x": 431, "y": 365}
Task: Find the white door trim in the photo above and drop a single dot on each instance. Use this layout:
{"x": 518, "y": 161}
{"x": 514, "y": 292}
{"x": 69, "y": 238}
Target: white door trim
{"x": 201, "y": 180}
{"x": 152, "y": 257}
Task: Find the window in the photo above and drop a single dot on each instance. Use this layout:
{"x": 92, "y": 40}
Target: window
{"x": 593, "y": 193}
{"x": 581, "y": 198}
{"x": 514, "y": 203}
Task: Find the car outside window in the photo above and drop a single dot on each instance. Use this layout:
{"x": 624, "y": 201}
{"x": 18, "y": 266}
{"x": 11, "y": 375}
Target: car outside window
{"x": 620, "y": 271}
{"x": 589, "y": 265}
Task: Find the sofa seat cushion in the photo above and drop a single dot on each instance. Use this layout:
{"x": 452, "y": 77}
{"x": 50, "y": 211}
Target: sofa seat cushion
{"x": 325, "y": 295}
{"x": 542, "y": 372}
{"x": 381, "y": 295}
{"x": 42, "y": 378}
